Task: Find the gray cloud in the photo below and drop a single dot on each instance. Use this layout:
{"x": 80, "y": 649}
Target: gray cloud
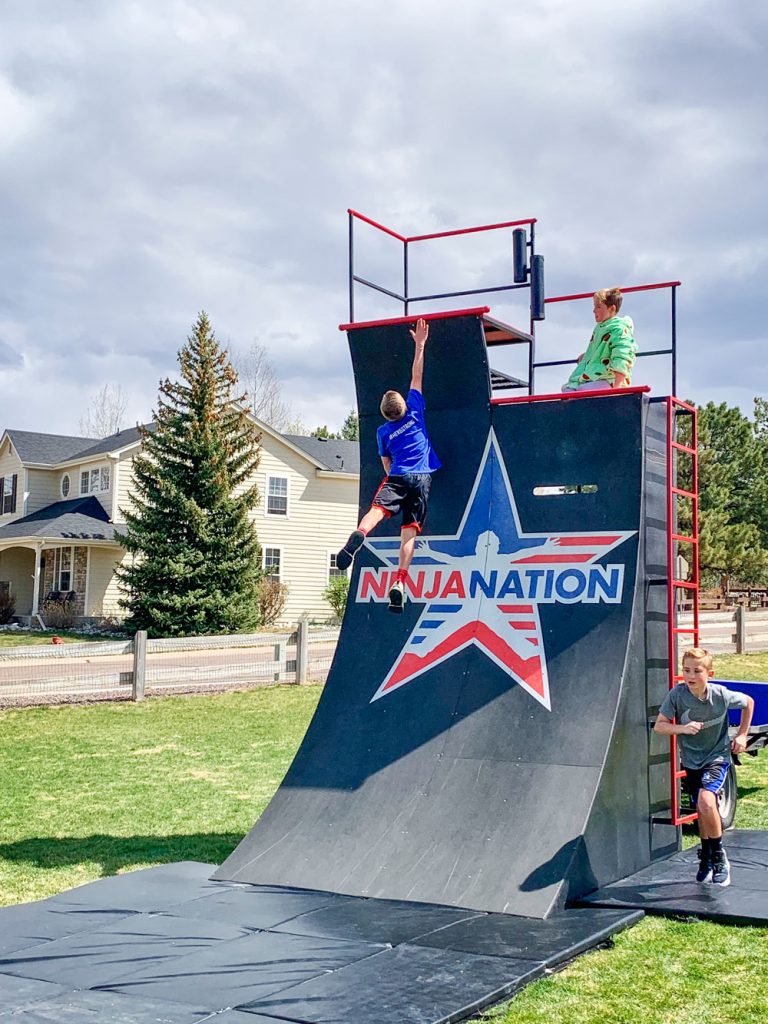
{"x": 161, "y": 159}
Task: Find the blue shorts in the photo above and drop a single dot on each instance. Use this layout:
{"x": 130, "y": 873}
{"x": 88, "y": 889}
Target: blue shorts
{"x": 711, "y": 777}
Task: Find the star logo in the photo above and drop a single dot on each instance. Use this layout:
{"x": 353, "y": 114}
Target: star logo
{"x": 482, "y": 586}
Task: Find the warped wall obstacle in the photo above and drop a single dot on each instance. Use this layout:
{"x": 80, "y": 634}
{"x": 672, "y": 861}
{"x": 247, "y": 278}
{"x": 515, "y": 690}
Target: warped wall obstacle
{"x": 489, "y": 748}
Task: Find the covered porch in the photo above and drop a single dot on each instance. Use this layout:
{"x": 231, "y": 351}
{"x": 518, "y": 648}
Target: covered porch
{"x": 64, "y": 552}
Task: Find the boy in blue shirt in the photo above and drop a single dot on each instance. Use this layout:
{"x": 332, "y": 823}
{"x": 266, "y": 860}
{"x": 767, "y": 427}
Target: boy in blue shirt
{"x": 700, "y": 709}
{"x": 409, "y": 461}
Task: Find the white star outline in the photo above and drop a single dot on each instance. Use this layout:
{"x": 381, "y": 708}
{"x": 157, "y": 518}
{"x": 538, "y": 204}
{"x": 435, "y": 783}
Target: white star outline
{"x": 508, "y": 629}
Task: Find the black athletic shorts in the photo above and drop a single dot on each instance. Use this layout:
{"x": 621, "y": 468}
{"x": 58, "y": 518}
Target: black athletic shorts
{"x": 711, "y": 777}
{"x": 408, "y": 494}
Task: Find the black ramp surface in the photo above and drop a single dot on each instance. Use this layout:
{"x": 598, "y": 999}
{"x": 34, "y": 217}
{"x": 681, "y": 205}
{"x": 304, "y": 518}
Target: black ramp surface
{"x": 334, "y": 965}
{"x": 487, "y": 748}
{"x": 388, "y": 921}
{"x": 29, "y": 924}
{"x": 149, "y": 889}
{"x": 20, "y": 993}
{"x": 234, "y": 973}
{"x": 106, "y": 1008}
{"x": 257, "y": 908}
{"x": 669, "y": 887}
{"x": 406, "y": 985}
{"x": 552, "y": 942}
{"x": 116, "y": 951}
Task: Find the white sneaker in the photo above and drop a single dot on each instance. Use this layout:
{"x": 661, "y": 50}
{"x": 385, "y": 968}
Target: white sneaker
{"x": 396, "y": 596}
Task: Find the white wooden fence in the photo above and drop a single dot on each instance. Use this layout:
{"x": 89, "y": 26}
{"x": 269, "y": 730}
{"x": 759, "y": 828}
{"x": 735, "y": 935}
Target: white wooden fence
{"x": 735, "y": 631}
{"x": 131, "y": 668}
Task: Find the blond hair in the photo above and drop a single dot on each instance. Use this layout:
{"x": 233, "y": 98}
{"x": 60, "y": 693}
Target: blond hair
{"x": 610, "y": 296}
{"x": 699, "y": 654}
{"x": 393, "y": 406}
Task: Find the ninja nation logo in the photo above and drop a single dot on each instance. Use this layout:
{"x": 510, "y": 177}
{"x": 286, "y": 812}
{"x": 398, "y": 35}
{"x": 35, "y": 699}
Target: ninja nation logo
{"x": 484, "y": 584}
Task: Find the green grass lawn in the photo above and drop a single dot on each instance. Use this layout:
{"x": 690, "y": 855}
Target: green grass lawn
{"x": 22, "y": 638}
{"x": 92, "y": 790}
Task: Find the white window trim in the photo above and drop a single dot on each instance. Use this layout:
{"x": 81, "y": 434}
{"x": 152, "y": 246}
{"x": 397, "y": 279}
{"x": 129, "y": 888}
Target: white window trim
{"x": 66, "y": 476}
{"x": 57, "y": 570}
{"x": 273, "y": 547}
{"x": 328, "y": 554}
{"x": 278, "y": 515}
{"x": 89, "y": 470}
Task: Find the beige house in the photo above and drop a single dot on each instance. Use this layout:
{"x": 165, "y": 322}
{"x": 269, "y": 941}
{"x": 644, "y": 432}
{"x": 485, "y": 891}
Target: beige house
{"x": 61, "y": 500}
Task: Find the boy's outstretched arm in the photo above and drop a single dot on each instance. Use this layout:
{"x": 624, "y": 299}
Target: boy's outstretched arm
{"x": 419, "y": 335}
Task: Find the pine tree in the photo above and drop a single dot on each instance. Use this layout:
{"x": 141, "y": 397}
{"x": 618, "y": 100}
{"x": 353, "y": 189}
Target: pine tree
{"x": 196, "y": 566}
{"x": 350, "y": 428}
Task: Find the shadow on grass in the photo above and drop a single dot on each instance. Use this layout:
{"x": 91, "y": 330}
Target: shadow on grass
{"x": 747, "y": 790}
{"x": 114, "y": 853}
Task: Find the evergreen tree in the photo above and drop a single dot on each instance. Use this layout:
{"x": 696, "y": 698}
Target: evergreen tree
{"x": 196, "y": 565}
{"x": 350, "y": 428}
{"x": 325, "y": 432}
{"x": 733, "y": 493}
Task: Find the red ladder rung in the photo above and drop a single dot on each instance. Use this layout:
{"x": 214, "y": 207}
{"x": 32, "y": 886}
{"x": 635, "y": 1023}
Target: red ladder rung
{"x": 685, "y": 585}
{"x": 686, "y": 819}
{"x": 684, "y": 447}
{"x": 687, "y": 540}
{"x": 679, "y": 629}
{"x": 685, "y": 494}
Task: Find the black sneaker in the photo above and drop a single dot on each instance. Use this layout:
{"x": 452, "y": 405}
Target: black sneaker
{"x": 721, "y": 869}
{"x": 396, "y": 596}
{"x": 704, "y": 874}
{"x": 347, "y": 553}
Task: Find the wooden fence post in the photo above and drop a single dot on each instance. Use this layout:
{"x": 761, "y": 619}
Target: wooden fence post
{"x": 302, "y": 649}
{"x": 281, "y": 661}
{"x": 741, "y": 629}
{"x": 139, "y": 664}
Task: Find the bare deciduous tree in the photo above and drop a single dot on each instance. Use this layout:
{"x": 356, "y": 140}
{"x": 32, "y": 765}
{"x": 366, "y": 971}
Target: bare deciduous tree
{"x": 105, "y": 412}
{"x": 265, "y": 392}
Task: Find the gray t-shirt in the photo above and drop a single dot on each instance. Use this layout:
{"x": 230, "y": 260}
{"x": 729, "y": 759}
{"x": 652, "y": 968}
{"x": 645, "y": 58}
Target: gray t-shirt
{"x": 711, "y": 742}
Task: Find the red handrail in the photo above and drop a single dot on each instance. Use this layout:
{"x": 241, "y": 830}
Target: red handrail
{"x": 624, "y": 291}
{"x": 441, "y": 234}
{"x": 569, "y": 396}
{"x": 441, "y": 315}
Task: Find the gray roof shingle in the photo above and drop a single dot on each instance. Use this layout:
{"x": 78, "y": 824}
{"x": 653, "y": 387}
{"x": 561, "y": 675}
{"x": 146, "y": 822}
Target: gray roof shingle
{"x": 114, "y": 442}
{"x": 81, "y": 519}
{"x": 47, "y": 449}
{"x": 339, "y": 456}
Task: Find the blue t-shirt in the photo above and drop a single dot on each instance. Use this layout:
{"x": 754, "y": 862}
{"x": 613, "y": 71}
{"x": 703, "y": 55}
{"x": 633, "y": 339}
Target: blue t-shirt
{"x": 406, "y": 441}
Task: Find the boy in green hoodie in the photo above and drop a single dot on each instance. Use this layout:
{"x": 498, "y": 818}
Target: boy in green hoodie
{"x": 610, "y": 355}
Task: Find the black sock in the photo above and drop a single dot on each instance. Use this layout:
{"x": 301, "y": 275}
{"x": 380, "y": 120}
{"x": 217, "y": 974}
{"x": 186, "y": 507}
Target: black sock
{"x": 716, "y": 845}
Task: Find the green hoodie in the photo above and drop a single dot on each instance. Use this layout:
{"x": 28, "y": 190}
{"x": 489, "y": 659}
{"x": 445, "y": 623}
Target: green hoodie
{"x": 611, "y": 348}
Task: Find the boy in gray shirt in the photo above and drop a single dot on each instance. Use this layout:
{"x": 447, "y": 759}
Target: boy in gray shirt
{"x": 701, "y": 712}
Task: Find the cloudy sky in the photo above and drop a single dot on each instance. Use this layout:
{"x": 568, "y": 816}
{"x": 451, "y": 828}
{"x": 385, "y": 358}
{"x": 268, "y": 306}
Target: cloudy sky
{"x": 159, "y": 157}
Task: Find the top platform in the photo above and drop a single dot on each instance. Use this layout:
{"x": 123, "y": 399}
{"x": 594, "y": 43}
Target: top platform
{"x": 496, "y": 332}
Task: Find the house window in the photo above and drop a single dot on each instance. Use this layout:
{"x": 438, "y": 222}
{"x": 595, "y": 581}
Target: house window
{"x": 333, "y": 569}
{"x": 65, "y": 485}
{"x": 277, "y": 496}
{"x": 273, "y": 563}
{"x": 62, "y": 569}
{"x": 94, "y": 480}
{"x": 8, "y": 494}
